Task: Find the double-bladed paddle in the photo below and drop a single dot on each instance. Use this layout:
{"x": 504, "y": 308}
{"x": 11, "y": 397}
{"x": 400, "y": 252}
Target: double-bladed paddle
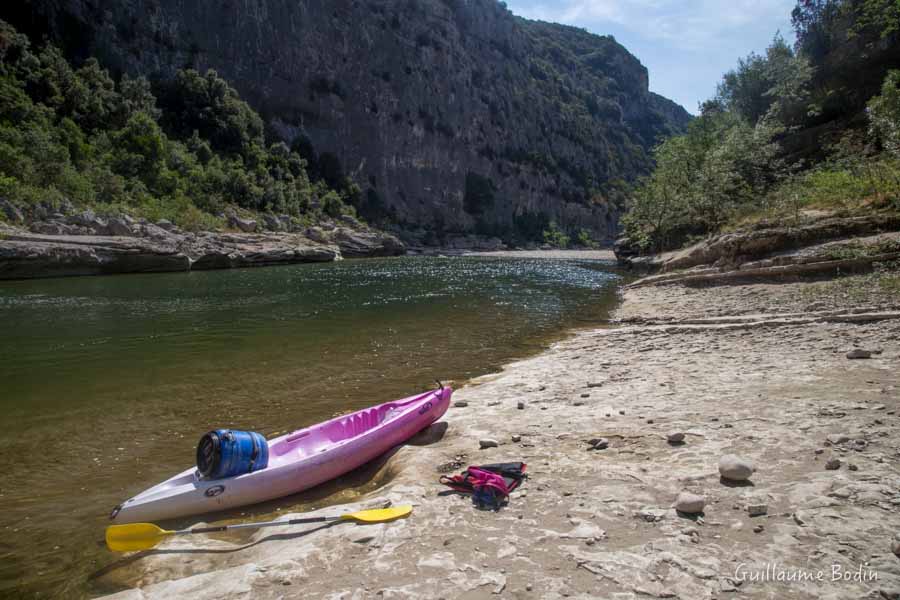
{"x": 143, "y": 536}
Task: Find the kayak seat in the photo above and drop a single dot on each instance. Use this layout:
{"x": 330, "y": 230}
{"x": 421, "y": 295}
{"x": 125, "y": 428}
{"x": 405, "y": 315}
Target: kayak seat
{"x": 306, "y": 442}
{"x": 313, "y": 440}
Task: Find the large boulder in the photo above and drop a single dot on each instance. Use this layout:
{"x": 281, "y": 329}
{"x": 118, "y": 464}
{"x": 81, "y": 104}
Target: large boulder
{"x": 83, "y": 219}
{"x": 272, "y": 222}
{"x": 364, "y": 244}
{"x": 89, "y": 223}
{"x": 119, "y": 226}
{"x": 155, "y": 232}
{"x": 53, "y": 228}
{"x": 167, "y": 225}
{"x": 317, "y": 234}
{"x": 624, "y": 249}
{"x": 350, "y": 221}
{"x": 245, "y": 225}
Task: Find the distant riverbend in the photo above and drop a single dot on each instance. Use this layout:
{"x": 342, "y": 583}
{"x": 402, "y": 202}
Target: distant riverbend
{"x": 106, "y": 383}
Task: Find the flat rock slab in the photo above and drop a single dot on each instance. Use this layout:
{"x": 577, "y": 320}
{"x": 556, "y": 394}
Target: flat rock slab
{"x": 26, "y": 255}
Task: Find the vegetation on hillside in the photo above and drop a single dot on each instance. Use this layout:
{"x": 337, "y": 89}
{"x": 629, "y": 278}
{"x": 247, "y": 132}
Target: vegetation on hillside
{"x": 816, "y": 125}
{"x": 187, "y": 150}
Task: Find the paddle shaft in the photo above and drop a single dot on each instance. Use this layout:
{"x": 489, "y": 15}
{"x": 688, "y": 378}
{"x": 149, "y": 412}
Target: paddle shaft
{"x": 260, "y": 525}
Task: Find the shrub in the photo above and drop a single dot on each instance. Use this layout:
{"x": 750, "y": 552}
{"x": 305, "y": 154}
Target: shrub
{"x": 884, "y": 114}
{"x": 554, "y": 236}
{"x": 332, "y": 205}
{"x": 585, "y": 240}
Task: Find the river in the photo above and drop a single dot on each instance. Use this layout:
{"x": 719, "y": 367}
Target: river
{"x": 107, "y": 383}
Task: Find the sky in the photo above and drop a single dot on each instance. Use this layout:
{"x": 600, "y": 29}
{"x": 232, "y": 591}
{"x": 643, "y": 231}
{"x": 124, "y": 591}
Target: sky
{"x": 686, "y": 45}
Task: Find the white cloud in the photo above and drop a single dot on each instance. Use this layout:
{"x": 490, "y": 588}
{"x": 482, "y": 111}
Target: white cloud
{"x": 685, "y": 24}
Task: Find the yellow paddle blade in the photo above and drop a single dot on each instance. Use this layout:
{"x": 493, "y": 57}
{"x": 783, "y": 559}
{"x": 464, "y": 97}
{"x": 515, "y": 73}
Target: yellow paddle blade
{"x": 379, "y": 515}
{"x": 134, "y": 536}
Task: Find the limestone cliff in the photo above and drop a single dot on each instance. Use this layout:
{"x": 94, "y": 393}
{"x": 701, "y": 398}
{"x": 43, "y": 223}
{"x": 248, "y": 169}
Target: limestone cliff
{"x": 452, "y": 115}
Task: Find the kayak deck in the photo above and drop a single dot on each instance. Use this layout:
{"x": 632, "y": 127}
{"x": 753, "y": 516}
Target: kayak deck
{"x": 297, "y": 461}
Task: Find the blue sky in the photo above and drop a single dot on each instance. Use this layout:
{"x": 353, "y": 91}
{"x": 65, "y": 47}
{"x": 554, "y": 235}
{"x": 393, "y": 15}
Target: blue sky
{"x": 686, "y": 45}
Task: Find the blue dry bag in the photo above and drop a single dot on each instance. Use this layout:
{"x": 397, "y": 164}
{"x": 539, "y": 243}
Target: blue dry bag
{"x": 227, "y": 452}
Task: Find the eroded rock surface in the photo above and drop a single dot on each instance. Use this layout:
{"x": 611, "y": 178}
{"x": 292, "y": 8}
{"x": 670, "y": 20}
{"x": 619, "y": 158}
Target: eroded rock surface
{"x": 69, "y": 249}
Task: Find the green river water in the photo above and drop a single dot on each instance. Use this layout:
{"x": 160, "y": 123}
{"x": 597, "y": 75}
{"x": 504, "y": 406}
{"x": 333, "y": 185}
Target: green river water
{"x": 107, "y": 383}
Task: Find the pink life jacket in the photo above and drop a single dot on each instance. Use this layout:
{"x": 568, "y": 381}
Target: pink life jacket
{"x": 490, "y": 485}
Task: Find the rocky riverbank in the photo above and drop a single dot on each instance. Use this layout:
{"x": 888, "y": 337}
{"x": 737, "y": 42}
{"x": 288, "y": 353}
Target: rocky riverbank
{"x": 618, "y": 426}
{"x": 85, "y": 244}
{"x": 821, "y": 243}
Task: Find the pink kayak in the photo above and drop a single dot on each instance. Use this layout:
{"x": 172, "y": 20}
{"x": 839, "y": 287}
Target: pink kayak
{"x": 297, "y": 461}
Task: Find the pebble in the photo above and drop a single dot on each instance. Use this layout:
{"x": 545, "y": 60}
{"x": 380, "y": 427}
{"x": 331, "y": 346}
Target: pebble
{"x": 521, "y": 405}
{"x": 585, "y": 395}
{"x": 838, "y": 438}
{"x": 895, "y": 547}
{"x": 595, "y": 385}
{"x": 852, "y": 467}
{"x": 621, "y": 412}
{"x": 365, "y": 539}
{"x": 516, "y": 438}
{"x": 758, "y": 529}
{"x": 675, "y": 438}
{"x": 858, "y": 353}
{"x": 460, "y": 404}
{"x": 488, "y": 443}
{"x": 578, "y": 403}
{"x": 599, "y": 444}
{"x": 820, "y": 450}
{"x": 833, "y": 464}
{"x": 735, "y": 468}
{"x": 757, "y": 510}
{"x": 690, "y": 504}
{"x": 649, "y": 421}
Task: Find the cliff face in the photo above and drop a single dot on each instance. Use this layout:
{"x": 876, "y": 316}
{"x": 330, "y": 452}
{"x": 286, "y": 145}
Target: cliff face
{"x": 449, "y": 114}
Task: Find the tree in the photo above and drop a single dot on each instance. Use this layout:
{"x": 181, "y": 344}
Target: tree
{"x": 140, "y": 149}
{"x": 815, "y": 23}
{"x": 720, "y": 166}
{"x": 135, "y": 95}
{"x": 884, "y": 114}
{"x": 777, "y": 84}
{"x": 880, "y": 16}
{"x": 208, "y": 105}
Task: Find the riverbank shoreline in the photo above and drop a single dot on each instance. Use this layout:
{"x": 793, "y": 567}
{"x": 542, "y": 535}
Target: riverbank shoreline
{"x": 732, "y": 368}
{"x": 584, "y": 254}
{"x": 141, "y": 247}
